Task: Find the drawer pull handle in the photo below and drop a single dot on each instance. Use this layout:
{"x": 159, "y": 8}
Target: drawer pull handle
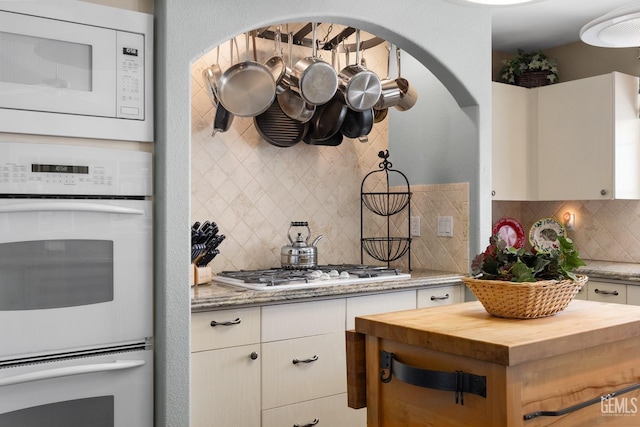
{"x": 313, "y": 359}
{"x": 433, "y": 297}
{"x": 312, "y": 423}
{"x": 614, "y": 293}
{"x": 229, "y": 323}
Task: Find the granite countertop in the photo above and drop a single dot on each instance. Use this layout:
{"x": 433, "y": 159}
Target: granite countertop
{"x": 213, "y": 295}
{"x": 608, "y": 270}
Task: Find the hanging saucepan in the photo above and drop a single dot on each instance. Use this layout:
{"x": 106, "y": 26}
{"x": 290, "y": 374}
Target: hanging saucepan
{"x": 290, "y": 101}
{"x": 408, "y": 96}
{"x": 224, "y": 118}
{"x": 360, "y": 87}
{"x": 315, "y": 79}
{"x": 389, "y": 95}
{"x": 278, "y": 129}
{"x": 211, "y": 76}
{"x": 247, "y": 88}
{"x": 276, "y": 65}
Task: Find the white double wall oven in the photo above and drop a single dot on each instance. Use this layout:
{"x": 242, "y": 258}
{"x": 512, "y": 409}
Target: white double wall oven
{"x": 76, "y": 286}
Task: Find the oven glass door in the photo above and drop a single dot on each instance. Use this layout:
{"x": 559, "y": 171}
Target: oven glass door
{"x": 113, "y": 390}
{"x": 56, "y": 66}
{"x": 74, "y": 274}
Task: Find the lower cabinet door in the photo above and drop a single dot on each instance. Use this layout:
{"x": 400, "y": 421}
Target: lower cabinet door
{"x": 302, "y": 369}
{"x": 331, "y": 411}
{"x": 225, "y": 387}
{"x": 633, "y": 294}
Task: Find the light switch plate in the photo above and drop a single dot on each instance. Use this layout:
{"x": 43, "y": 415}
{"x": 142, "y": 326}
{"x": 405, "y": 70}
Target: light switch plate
{"x": 445, "y": 226}
{"x": 415, "y": 226}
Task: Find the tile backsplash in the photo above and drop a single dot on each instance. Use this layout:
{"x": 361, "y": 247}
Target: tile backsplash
{"x": 253, "y": 190}
{"x": 606, "y": 230}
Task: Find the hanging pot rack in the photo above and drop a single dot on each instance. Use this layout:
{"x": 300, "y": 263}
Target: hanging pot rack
{"x": 300, "y": 38}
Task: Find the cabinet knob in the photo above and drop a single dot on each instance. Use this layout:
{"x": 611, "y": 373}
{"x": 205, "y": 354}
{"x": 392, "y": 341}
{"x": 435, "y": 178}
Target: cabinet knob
{"x": 493, "y": 193}
{"x": 603, "y": 192}
{"x": 253, "y": 355}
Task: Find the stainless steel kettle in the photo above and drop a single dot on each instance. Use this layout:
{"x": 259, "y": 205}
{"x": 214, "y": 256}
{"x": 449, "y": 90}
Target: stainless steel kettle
{"x": 300, "y": 254}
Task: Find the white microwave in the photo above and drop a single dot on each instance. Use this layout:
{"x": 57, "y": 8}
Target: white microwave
{"x": 72, "y": 68}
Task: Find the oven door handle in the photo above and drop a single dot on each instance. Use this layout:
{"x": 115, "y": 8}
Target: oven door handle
{"x": 70, "y": 370}
{"x": 73, "y": 207}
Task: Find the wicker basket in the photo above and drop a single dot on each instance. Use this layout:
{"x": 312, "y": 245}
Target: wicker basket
{"x": 528, "y": 300}
{"x": 532, "y": 79}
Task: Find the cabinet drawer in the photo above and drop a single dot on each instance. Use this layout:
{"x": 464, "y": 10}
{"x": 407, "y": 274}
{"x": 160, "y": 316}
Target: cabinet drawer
{"x": 633, "y": 294}
{"x": 225, "y": 387}
{"x": 607, "y": 292}
{"x": 230, "y": 328}
{"x": 330, "y": 411}
{"x": 440, "y": 295}
{"x": 381, "y": 303}
{"x": 285, "y": 382}
{"x": 280, "y": 322}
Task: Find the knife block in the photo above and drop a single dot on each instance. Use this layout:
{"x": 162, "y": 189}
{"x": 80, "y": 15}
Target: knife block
{"x": 201, "y": 275}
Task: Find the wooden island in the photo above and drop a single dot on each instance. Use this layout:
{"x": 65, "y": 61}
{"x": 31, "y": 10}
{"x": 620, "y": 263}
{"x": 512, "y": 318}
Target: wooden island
{"x": 580, "y": 367}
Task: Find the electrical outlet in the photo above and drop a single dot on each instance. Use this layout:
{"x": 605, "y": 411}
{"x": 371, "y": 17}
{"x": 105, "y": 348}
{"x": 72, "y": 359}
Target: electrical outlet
{"x": 415, "y": 226}
{"x": 445, "y": 226}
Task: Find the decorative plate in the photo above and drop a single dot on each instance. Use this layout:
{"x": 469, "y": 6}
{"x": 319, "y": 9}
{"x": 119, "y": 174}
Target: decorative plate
{"x": 544, "y": 233}
{"x": 511, "y": 231}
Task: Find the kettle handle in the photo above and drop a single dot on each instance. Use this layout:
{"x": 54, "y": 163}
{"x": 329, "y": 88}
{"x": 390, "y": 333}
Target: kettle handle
{"x": 299, "y": 224}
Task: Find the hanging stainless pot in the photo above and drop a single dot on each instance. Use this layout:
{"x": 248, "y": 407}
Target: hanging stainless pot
{"x": 391, "y": 93}
{"x": 290, "y": 101}
{"x": 361, "y": 87}
{"x": 408, "y": 95}
{"x": 316, "y": 80}
{"x": 276, "y": 65}
{"x": 247, "y": 88}
{"x": 299, "y": 254}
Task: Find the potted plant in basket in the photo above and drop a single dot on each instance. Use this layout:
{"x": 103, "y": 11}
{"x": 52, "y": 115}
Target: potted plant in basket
{"x": 517, "y": 283}
{"x": 529, "y": 69}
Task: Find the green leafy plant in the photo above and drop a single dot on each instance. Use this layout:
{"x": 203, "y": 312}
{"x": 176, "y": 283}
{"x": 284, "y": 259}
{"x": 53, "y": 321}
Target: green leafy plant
{"x": 528, "y": 61}
{"x": 502, "y": 262}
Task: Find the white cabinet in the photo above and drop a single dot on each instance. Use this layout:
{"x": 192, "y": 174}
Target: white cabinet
{"x": 440, "y": 295}
{"x": 225, "y": 364}
{"x": 576, "y": 140}
{"x": 512, "y": 108}
{"x": 606, "y": 291}
{"x": 633, "y": 294}
{"x": 327, "y": 411}
{"x": 588, "y": 142}
{"x": 380, "y": 303}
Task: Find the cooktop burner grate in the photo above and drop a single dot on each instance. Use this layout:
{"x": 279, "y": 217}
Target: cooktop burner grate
{"x": 322, "y": 275}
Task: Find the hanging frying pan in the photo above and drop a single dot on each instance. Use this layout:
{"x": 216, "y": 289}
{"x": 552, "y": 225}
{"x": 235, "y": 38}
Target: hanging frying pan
{"x": 327, "y": 119}
{"x": 357, "y": 123}
{"x": 334, "y": 140}
{"x": 278, "y": 129}
{"x": 224, "y": 118}
{"x": 247, "y": 88}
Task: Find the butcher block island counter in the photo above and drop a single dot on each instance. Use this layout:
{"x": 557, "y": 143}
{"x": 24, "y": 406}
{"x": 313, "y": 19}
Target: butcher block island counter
{"x": 580, "y": 366}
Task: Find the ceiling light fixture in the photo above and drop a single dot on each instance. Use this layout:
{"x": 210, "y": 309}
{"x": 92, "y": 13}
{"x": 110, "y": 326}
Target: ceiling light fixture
{"x": 618, "y": 28}
{"x": 493, "y": 3}
{"x": 499, "y": 2}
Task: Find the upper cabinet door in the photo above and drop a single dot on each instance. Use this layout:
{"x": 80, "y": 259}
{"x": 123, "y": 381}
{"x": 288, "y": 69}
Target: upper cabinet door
{"x": 511, "y": 160}
{"x": 588, "y": 139}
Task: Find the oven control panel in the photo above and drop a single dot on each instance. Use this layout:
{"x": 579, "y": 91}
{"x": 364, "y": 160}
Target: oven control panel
{"x": 48, "y": 169}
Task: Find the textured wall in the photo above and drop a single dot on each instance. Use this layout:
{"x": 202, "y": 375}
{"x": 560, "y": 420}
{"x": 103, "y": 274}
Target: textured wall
{"x": 606, "y": 230}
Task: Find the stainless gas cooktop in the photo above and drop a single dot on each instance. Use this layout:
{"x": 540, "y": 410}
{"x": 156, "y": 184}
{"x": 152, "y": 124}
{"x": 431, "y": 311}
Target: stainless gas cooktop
{"x": 322, "y": 275}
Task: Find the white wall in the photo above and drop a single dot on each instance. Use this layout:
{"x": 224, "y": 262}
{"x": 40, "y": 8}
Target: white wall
{"x": 443, "y": 37}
